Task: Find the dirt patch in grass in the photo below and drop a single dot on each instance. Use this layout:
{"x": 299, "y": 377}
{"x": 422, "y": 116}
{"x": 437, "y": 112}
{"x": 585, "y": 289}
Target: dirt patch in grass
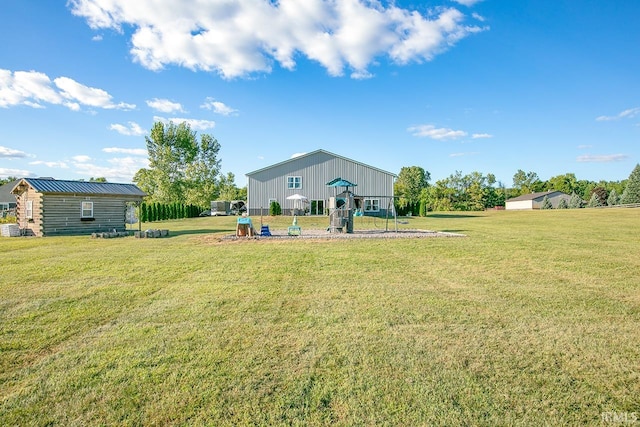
{"x": 357, "y": 234}
{"x": 317, "y": 234}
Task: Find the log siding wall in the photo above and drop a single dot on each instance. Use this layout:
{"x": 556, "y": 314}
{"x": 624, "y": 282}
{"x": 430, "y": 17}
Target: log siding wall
{"x": 63, "y": 215}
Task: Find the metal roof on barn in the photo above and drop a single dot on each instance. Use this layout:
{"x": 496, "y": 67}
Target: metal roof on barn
{"x": 533, "y": 196}
{"x": 312, "y": 153}
{"x": 54, "y": 186}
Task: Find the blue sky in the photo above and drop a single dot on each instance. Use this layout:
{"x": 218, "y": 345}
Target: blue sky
{"x": 550, "y": 86}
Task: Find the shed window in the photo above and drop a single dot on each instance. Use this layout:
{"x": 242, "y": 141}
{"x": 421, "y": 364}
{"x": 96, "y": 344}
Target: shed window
{"x": 29, "y": 209}
{"x": 87, "y": 209}
{"x": 294, "y": 182}
{"x": 371, "y": 205}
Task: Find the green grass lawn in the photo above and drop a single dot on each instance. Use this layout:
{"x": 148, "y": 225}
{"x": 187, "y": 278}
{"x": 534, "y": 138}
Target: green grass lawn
{"x": 532, "y": 319}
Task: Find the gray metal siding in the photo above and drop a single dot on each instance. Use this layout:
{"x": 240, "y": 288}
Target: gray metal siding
{"x": 316, "y": 170}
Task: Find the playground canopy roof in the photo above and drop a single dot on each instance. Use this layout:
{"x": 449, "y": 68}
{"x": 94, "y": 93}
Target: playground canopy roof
{"x": 339, "y": 182}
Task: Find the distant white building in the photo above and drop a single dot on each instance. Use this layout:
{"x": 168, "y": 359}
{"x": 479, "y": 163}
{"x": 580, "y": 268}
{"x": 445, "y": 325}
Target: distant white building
{"x": 534, "y": 200}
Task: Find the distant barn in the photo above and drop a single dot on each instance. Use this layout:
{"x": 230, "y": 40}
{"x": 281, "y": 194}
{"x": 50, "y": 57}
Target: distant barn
{"x": 49, "y": 207}
{"x": 534, "y": 200}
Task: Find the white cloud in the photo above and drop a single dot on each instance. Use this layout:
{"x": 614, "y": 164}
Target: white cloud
{"x": 584, "y": 147}
{"x": 218, "y": 107}
{"x": 430, "y": 131}
{"x": 133, "y": 129}
{"x": 121, "y": 169}
{"x": 33, "y": 89}
{"x": 478, "y": 17}
{"x": 195, "y": 124}
{"x": 81, "y": 159}
{"x": 626, "y": 114}
{"x": 97, "y": 38}
{"x": 132, "y": 151}
{"x": 86, "y": 95}
{"x": 21, "y": 173}
{"x": 7, "y": 152}
{"x": 60, "y": 165}
{"x": 467, "y": 3}
{"x": 165, "y": 105}
{"x": 238, "y": 37}
{"x": 604, "y": 158}
{"x": 481, "y": 135}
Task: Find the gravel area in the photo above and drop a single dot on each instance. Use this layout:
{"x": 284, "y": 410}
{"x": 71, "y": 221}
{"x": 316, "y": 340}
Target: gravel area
{"x": 357, "y": 234}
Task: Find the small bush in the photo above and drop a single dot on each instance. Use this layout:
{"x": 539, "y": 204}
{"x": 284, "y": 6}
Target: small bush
{"x": 563, "y": 204}
{"x": 9, "y": 219}
{"x": 275, "y": 209}
{"x": 546, "y": 203}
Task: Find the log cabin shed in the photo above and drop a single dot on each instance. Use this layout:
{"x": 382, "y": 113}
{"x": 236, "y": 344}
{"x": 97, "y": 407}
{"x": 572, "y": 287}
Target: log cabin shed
{"x": 50, "y": 207}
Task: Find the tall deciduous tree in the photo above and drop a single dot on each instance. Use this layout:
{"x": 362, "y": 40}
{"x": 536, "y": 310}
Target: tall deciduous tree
{"x": 567, "y": 183}
{"x": 459, "y": 192}
{"x": 527, "y": 182}
{"x": 409, "y": 185}
{"x": 631, "y": 192}
{"x": 228, "y": 189}
{"x": 181, "y": 168}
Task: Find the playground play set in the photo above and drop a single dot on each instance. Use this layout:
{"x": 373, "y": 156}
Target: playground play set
{"x": 343, "y": 207}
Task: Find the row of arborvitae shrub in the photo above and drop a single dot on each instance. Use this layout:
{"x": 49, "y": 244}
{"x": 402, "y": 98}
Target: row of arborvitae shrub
{"x": 150, "y": 212}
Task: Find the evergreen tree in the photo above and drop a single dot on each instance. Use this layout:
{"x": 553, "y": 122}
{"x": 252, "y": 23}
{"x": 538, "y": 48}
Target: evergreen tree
{"x": 546, "y": 203}
{"x": 423, "y": 208}
{"x": 575, "y": 201}
{"x": 602, "y": 195}
{"x": 594, "y": 201}
{"x": 143, "y": 212}
{"x": 613, "y": 198}
{"x": 563, "y": 204}
{"x": 631, "y": 192}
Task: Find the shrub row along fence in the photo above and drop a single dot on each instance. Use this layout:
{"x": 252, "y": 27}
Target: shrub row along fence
{"x": 150, "y": 212}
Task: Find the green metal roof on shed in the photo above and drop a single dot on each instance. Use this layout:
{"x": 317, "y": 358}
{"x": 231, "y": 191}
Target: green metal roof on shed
{"x": 54, "y": 186}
